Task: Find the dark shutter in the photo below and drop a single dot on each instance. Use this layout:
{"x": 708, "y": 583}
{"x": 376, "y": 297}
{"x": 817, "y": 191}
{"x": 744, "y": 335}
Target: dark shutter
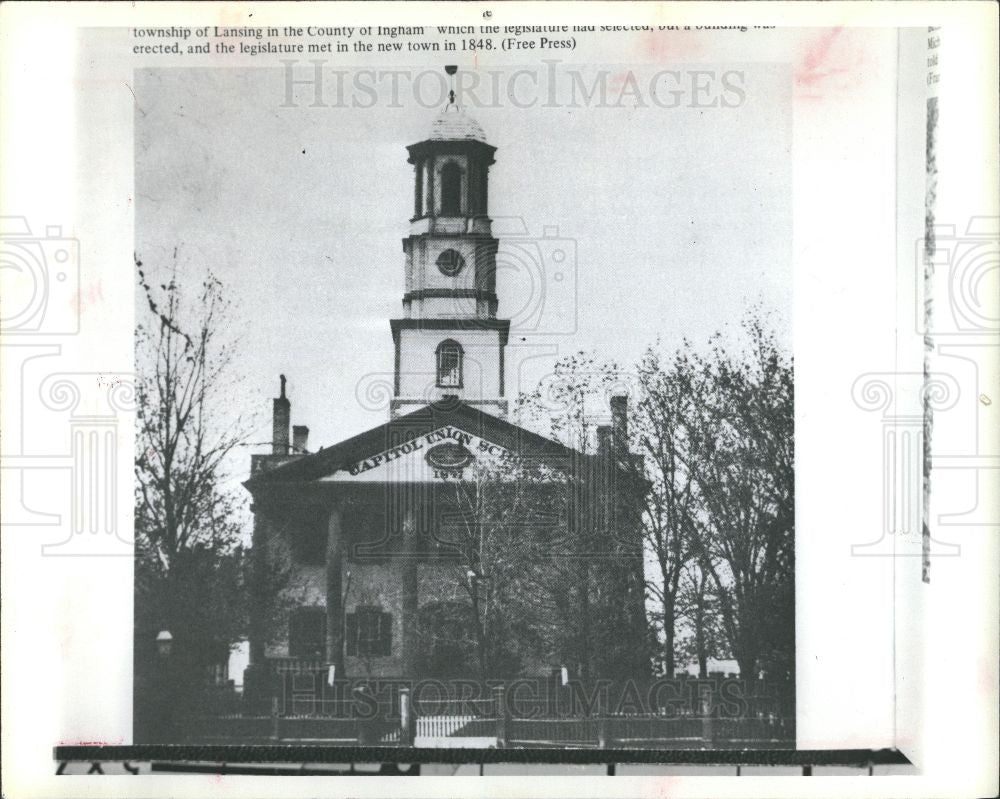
{"x": 385, "y": 633}
{"x": 306, "y": 628}
{"x": 294, "y": 633}
{"x": 352, "y": 633}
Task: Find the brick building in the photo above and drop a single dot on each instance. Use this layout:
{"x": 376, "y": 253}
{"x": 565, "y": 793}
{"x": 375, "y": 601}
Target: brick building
{"x": 369, "y": 531}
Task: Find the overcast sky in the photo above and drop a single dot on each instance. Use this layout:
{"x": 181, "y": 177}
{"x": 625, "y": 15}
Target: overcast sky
{"x": 680, "y": 217}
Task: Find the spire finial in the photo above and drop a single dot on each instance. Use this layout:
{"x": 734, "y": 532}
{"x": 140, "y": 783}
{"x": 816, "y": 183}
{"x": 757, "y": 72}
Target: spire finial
{"x": 282, "y": 386}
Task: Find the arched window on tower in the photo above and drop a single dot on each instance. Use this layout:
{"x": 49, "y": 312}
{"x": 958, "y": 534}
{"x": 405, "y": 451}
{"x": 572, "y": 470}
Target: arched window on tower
{"x": 451, "y": 189}
{"x": 449, "y": 364}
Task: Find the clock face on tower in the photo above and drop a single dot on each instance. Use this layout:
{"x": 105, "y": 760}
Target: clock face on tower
{"x": 450, "y": 262}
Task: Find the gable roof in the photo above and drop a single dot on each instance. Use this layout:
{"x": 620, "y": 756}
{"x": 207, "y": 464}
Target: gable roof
{"x": 416, "y": 423}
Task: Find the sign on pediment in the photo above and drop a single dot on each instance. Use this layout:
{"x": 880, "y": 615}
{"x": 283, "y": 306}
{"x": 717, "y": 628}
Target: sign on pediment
{"x": 442, "y": 454}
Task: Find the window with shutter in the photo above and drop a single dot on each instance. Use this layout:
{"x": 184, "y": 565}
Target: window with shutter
{"x": 307, "y": 633}
{"x": 369, "y": 631}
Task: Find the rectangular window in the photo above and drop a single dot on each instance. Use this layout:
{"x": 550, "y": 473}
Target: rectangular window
{"x": 369, "y": 631}
{"x": 307, "y": 633}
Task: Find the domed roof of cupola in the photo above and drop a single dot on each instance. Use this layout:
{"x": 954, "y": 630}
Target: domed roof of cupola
{"x": 453, "y": 124}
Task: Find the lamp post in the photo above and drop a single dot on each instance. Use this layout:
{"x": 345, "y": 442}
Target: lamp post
{"x": 164, "y": 699}
{"x": 164, "y": 643}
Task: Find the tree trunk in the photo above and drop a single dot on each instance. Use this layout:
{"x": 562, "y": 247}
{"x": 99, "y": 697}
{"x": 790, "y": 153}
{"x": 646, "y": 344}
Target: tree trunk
{"x": 699, "y": 639}
{"x": 702, "y": 653}
{"x": 669, "y": 661}
{"x": 334, "y": 593}
{"x": 480, "y": 636}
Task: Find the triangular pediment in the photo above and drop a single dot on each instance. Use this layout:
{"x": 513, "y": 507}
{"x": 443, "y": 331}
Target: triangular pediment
{"x": 429, "y": 445}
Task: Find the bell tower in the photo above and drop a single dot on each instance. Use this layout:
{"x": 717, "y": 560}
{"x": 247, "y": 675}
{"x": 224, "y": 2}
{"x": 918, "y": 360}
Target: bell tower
{"x": 449, "y": 341}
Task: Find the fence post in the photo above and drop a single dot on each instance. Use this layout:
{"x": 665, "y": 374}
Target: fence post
{"x": 602, "y": 720}
{"x": 502, "y": 716}
{"x": 275, "y": 719}
{"x": 707, "y": 731}
{"x": 407, "y": 722}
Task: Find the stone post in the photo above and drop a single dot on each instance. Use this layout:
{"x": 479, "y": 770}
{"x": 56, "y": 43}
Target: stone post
{"x": 706, "y": 708}
{"x": 602, "y": 719}
{"x": 407, "y": 720}
{"x": 275, "y": 719}
{"x": 502, "y": 716}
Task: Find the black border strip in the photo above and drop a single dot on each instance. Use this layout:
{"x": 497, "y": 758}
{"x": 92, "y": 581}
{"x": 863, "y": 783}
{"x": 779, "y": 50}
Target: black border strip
{"x": 362, "y": 754}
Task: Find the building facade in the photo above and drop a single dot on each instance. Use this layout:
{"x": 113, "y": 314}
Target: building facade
{"x": 446, "y": 541}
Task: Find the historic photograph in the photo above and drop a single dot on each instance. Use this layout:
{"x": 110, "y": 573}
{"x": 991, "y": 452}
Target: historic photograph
{"x": 591, "y": 399}
{"x": 527, "y": 480}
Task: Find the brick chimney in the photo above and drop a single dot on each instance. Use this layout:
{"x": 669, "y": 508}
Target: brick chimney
{"x": 604, "y": 436}
{"x": 619, "y": 425}
{"x": 282, "y": 415}
{"x": 300, "y": 437}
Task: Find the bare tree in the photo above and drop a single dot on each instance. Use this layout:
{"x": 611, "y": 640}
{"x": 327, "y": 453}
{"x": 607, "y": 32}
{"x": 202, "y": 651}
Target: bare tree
{"x": 595, "y": 576}
{"x": 669, "y": 443}
{"x": 189, "y": 569}
{"x": 701, "y": 636}
{"x": 496, "y": 530}
{"x": 745, "y": 479}
{"x": 713, "y": 483}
